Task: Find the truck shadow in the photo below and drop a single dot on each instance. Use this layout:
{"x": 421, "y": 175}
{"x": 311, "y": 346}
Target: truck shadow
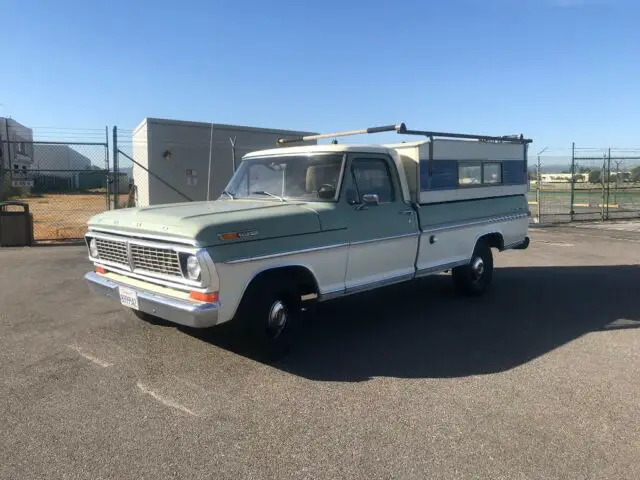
{"x": 424, "y": 329}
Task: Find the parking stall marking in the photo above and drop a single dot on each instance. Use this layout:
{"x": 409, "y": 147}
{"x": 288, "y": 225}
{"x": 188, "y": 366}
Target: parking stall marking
{"x": 89, "y": 357}
{"x": 164, "y": 401}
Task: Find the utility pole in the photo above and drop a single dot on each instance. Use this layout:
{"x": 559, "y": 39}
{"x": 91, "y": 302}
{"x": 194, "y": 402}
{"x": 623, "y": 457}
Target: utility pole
{"x": 210, "y": 160}
{"x": 233, "y": 152}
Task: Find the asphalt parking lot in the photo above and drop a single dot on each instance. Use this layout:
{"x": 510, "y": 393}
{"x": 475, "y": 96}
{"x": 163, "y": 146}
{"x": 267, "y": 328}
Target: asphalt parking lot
{"x": 538, "y": 379}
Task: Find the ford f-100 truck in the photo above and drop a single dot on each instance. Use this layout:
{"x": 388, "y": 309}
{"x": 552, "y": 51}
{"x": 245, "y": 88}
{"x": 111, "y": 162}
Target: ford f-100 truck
{"x": 300, "y": 224}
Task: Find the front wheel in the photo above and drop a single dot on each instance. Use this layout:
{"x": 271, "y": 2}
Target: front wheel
{"x": 475, "y": 277}
{"x": 268, "y": 318}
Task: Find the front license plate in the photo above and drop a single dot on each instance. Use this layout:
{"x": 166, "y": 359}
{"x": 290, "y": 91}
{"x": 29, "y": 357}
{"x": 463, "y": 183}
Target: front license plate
{"x": 128, "y": 298}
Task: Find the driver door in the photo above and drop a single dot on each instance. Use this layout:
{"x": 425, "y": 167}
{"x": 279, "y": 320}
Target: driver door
{"x": 383, "y": 236}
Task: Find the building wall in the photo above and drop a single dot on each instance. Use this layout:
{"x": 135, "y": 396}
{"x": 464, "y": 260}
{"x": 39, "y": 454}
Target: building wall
{"x": 140, "y": 153}
{"x": 51, "y": 157}
{"x": 19, "y": 153}
{"x": 178, "y": 152}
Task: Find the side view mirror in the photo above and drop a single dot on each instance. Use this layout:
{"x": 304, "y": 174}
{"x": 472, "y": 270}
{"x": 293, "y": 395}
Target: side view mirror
{"x": 352, "y": 198}
{"x": 370, "y": 199}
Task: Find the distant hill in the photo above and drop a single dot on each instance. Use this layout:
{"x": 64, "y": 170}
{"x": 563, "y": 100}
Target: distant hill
{"x": 558, "y": 168}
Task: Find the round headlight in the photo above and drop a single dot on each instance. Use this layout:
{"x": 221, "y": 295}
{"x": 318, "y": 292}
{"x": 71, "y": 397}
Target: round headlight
{"x": 93, "y": 248}
{"x": 193, "y": 268}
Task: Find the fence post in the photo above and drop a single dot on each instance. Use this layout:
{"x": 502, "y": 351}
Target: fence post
{"x": 605, "y": 178}
{"x": 609, "y": 183}
{"x": 538, "y": 180}
{"x": 4, "y": 158}
{"x": 573, "y": 183}
{"x": 106, "y": 147}
{"x": 1, "y": 168}
{"x": 539, "y": 184}
{"x": 116, "y": 173}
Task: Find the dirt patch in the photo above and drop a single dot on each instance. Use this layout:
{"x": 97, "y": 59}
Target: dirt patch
{"x": 63, "y": 217}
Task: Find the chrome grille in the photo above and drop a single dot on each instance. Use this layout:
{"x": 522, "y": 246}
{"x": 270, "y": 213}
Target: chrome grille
{"x": 157, "y": 260}
{"x": 112, "y": 251}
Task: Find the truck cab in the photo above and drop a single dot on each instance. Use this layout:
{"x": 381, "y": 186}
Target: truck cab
{"x": 313, "y": 223}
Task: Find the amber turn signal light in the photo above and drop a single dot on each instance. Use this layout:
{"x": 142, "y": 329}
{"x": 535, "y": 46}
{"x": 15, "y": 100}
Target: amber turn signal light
{"x": 211, "y": 297}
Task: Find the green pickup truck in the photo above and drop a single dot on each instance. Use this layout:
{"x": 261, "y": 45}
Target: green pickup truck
{"x": 299, "y": 224}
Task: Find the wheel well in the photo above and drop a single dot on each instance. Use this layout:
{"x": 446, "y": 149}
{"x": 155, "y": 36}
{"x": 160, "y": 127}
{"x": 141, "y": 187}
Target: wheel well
{"x": 493, "y": 240}
{"x": 298, "y": 275}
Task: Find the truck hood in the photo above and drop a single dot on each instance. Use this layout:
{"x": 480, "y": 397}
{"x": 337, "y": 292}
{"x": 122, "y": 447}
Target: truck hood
{"x": 201, "y": 223}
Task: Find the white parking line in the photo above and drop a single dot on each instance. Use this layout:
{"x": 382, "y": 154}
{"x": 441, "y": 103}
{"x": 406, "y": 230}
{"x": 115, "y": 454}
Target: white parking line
{"x": 164, "y": 401}
{"x": 558, "y": 244}
{"x": 91, "y": 358}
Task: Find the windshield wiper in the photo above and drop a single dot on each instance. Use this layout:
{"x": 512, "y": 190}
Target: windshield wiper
{"x": 262, "y": 192}
{"x": 225, "y": 192}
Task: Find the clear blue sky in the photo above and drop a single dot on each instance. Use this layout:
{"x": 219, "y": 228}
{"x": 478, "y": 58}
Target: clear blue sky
{"x": 557, "y": 70}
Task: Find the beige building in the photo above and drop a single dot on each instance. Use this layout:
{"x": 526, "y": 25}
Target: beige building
{"x": 174, "y": 156}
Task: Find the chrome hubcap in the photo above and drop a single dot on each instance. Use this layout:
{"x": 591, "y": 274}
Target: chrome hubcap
{"x": 277, "y": 318}
{"x": 477, "y": 268}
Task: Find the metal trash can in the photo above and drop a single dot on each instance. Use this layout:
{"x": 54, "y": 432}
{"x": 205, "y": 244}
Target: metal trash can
{"x": 16, "y": 225}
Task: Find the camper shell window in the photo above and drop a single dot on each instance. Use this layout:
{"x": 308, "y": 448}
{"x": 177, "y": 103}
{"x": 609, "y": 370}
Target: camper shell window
{"x": 472, "y": 174}
{"x": 455, "y": 174}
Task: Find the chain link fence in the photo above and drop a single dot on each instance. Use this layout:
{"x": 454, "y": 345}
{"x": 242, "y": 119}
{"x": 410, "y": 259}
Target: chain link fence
{"x": 549, "y": 195}
{"x": 64, "y": 184}
{"x": 584, "y": 185}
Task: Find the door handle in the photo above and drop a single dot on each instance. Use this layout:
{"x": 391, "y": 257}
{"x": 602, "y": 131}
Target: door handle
{"x": 408, "y": 212}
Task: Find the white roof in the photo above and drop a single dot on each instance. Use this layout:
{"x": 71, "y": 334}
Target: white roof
{"x": 406, "y": 144}
{"x": 331, "y": 148}
{"x": 328, "y": 148}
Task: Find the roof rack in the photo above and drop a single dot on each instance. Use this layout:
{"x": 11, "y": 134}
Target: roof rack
{"x": 401, "y": 129}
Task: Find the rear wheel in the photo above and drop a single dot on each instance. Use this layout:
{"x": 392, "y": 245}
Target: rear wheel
{"x": 475, "y": 277}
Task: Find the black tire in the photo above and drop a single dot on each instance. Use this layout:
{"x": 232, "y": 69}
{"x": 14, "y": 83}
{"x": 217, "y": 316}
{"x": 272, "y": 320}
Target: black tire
{"x": 474, "y": 278}
{"x": 268, "y": 317}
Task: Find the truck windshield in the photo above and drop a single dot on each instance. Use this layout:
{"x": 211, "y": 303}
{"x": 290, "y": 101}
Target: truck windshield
{"x": 300, "y": 177}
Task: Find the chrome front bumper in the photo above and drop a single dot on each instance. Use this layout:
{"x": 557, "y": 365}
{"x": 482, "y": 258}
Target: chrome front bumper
{"x": 182, "y": 312}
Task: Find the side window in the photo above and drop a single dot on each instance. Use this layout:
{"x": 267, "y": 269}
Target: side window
{"x": 469, "y": 174}
{"x": 372, "y": 176}
{"x": 479, "y": 173}
{"x": 492, "y": 173}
